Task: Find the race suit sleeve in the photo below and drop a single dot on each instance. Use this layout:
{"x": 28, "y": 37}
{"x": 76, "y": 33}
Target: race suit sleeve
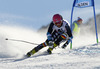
{"x": 50, "y": 29}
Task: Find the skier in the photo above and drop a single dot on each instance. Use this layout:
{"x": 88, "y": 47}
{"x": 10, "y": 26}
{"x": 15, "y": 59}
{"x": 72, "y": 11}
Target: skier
{"x": 58, "y": 31}
{"x": 76, "y": 26}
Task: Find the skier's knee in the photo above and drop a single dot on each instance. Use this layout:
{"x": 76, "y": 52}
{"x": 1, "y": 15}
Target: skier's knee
{"x": 61, "y": 38}
{"x": 64, "y": 36}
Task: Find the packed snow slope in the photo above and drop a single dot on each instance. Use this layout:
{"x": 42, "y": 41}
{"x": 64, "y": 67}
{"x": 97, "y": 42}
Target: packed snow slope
{"x": 84, "y": 55}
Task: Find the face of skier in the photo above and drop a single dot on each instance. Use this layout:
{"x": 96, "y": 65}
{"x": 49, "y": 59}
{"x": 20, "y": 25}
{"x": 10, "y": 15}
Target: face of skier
{"x": 80, "y": 22}
{"x": 59, "y": 24}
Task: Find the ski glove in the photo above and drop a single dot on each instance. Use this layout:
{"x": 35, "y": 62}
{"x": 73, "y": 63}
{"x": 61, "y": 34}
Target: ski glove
{"x": 49, "y": 37}
{"x": 70, "y": 39}
{"x": 50, "y": 44}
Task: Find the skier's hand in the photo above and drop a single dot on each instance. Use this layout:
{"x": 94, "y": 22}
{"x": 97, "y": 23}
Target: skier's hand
{"x": 50, "y": 44}
{"x": 49, "y": 38}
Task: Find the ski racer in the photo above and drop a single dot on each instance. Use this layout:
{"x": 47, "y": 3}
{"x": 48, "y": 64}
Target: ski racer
{"x": 58, "y": 32}
{"x": 76, "y": 26}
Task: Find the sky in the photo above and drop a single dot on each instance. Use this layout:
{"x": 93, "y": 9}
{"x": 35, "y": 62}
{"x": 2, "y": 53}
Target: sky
{"x": 36, "y": 13}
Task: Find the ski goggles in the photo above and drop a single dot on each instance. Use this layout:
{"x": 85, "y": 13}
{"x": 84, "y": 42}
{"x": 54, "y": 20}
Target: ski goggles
{"x": 58, "y": 22}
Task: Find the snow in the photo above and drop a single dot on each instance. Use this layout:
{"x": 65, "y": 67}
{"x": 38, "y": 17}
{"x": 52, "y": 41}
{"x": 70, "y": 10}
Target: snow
{"x": 84, "y": 55}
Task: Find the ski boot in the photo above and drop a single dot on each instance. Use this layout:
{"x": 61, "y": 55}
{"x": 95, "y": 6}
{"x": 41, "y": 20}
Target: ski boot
{"x": 30, "y": 53}
{"x": 50, "y": 49}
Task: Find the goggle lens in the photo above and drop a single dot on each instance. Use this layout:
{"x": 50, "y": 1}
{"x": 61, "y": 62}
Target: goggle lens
{"x": 59, "y": 22}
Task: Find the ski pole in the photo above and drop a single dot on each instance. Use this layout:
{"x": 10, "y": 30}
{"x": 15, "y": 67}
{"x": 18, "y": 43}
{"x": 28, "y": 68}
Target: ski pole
{"x": 22, "y": 41}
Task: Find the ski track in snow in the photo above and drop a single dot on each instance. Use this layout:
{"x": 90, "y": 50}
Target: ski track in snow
{"x": 82, "y": 56}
